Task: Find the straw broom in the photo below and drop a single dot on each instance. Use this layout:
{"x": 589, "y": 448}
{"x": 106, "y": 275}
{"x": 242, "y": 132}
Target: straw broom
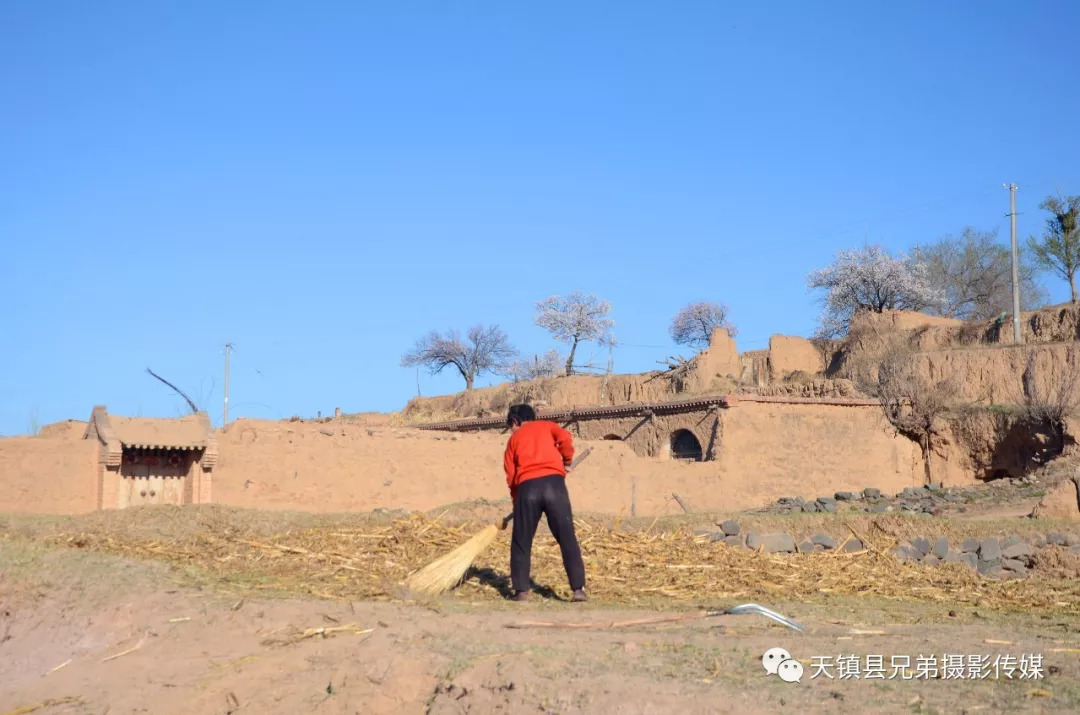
{"x": 449, "y": 571}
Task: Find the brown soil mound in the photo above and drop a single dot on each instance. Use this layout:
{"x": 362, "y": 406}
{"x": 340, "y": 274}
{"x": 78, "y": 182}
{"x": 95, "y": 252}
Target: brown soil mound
{"x": 1054, "y": 562}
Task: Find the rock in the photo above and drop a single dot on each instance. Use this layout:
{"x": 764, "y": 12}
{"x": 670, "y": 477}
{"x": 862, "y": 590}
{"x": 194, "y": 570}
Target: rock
{"x": 935, "y": 487}
{"x": 1040, "y": 541}
{"x": 824, "y": 540}
{"x": 810, "y": 507}
{"x": 828, "y": 507}
{"x": 1016, "y": 551}
{"x": 826, "y": 500}
{"x": 969, "y": 545}
{"x": 818, "y": 548}
{"x": 1072, "y": 540}
{"x": 880, "y": 509}
{"x": 800, "y": 501}
{"x": 990, "y": 551}
{"x": 953, "y": 557}
{"x": 754, "y": 540}
{"x": 871, "y": 493}
{"x": 985, "y": 567}
{"x": 970, "y": 559}
{"x": 941, "y": 547}
{"x": 905, "y": 554}
{"x": 730, "y": 527}
{"x": 931, "y": 560}
{"x": 1056, "y": 539}
{"x": 1075, "y": 549}
{"x": 806, "y": 547}
{"x": 1009, "y": 541}
{"x": 911, "y": 492}
{"x": 921, "y": 545}
{"x": 853, "y": 545}
{"x": 734, "y": 541}
{"x": 716, "y": 536}
{"x": 779, "y": 544}
{"x": 847, "y": 496}
{"x": 1014, "y": 565}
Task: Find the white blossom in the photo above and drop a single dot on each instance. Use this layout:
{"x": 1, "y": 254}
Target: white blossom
{"x": 576, "y": 318}
{"x": 869, "y": 278}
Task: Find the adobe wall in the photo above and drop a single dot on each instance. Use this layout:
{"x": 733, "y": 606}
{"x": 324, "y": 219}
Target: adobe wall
{"x": 764, "y": 452}
{"x": 42, "y": 475}
{"x": 788, "y": 354}
{"x": 814, "y": 450}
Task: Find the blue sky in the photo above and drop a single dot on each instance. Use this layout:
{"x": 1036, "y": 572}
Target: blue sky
{"x": 323, "y": 183}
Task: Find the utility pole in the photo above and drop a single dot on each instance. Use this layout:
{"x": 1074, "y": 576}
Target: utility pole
{"x": 1017, "y": 338}
{"x": 228, "y": 348}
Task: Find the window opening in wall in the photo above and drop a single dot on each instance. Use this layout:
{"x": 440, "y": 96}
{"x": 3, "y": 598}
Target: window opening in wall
{"x": 684, "y": 445}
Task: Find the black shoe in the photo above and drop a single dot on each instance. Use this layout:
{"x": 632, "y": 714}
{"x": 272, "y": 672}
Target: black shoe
{"x": 579, "y": 595}
{"x": 520, "y": 596}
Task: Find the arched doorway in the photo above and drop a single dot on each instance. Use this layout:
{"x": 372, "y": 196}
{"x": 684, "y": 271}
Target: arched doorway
{"x": 684, "y": 445}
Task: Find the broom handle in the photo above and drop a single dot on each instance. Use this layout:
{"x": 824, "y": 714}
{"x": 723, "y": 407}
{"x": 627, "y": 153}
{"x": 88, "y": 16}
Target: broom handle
{"x": 580, "y": 458}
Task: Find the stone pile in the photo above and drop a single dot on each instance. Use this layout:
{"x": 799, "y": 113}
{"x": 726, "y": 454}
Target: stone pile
{"x": 1008, "y": 557}
{"x": 731, "y": 534}
{"x": 933, "y": 499}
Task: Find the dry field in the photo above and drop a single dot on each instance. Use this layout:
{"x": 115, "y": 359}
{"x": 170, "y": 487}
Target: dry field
{"x": 215, "y": 609}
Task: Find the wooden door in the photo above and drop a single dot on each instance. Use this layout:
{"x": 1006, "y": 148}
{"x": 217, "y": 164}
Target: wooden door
{"x": 172, "y": 490}
{"x": 134, "y": 486}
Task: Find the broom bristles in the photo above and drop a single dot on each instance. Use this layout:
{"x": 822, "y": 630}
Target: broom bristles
{"x": 448, "y": 571}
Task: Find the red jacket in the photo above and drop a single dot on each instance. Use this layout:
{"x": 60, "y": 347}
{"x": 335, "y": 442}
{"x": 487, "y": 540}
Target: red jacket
{"x": 537, "y": 449}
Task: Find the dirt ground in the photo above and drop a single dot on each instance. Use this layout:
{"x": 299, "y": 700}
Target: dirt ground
{"x": 94, "y": 629}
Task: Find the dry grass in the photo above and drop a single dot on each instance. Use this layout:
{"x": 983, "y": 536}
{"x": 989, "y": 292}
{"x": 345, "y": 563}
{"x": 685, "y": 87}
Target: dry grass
{"x": 351, "y": 557}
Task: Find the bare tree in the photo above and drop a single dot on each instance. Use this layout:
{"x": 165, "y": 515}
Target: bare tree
{"x": 550, "y": 364}
{"x": 485, "y": 350}
{"x": 974, "y": 273}
{"x": 576, "y": 318}
{"x": 1059, "y": 249}
{"x": 870, "y": 278}
{"x": 694, "y": 324}
{"x": 912, "y": 402}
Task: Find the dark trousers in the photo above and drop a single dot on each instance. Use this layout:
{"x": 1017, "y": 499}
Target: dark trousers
{"x": 544, "y": 495}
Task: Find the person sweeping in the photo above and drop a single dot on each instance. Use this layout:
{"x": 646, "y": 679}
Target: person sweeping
{"x": 538, "y": 455}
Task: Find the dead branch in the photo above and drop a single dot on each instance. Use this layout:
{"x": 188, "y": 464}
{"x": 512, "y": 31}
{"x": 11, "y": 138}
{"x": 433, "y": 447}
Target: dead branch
{"x": 175, "y": 389}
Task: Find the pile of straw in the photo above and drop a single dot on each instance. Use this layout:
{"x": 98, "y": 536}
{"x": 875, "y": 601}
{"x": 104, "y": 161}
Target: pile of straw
{"x": 643, "y": 567}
